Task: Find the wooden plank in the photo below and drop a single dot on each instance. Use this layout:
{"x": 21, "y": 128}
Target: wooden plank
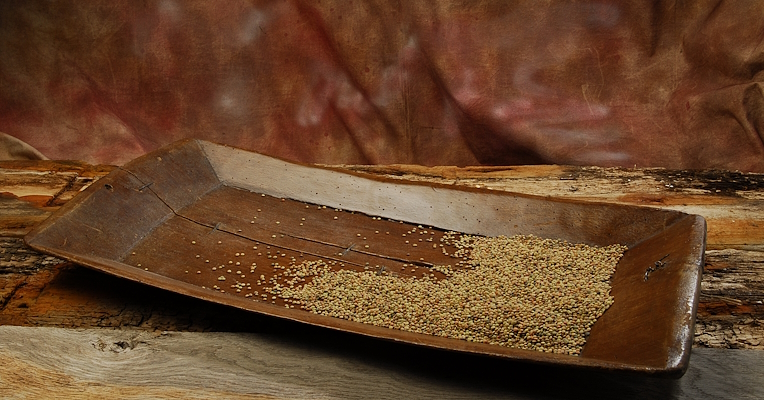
{"x": 730, "y": 309}
{"x": 31, "y": 190}
{"x": 38, "y": 290}
{"x": 731, "y": 202}
{"x": 35, "y": 290}
{"x": 317, "y": 364}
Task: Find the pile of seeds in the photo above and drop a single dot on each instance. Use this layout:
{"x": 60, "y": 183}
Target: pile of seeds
{"x": 522, "y": 291}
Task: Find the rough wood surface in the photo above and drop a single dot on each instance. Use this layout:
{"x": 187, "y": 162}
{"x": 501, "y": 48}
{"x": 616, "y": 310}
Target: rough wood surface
{"x": 31, "y": 190}
{"x": 312, "y": 363}
{"x": 36, "y": 290}
{"x": 731, "y": 202}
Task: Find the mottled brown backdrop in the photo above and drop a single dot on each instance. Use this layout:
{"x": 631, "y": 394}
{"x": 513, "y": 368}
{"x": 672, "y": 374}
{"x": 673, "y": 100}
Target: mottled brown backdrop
{"x": 648, "y": 83}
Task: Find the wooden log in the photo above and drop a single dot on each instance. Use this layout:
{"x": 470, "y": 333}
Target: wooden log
{"x": 36, "y": 290}
{"x": 295, "y": 361}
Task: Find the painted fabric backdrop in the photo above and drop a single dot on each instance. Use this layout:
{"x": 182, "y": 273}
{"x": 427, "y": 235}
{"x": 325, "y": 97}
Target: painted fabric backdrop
{"x": 634, "y": 82}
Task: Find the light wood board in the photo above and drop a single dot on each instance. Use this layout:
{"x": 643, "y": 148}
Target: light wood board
{"x": 61, "y": 363}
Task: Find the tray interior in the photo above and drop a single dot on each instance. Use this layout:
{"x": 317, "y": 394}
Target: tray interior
{"x": 165, "y": 218}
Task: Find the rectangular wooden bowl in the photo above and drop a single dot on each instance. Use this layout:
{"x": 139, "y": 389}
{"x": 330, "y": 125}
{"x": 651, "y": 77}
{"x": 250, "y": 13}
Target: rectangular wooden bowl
{"x": 158, "y": 219}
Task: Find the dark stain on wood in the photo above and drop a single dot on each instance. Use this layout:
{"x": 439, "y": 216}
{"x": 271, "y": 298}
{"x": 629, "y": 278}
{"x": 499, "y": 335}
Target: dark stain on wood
{"x": 714, "y": 182}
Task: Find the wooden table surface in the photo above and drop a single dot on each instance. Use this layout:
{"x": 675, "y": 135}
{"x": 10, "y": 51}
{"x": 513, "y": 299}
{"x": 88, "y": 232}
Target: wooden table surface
{"x": 71, "y": 331}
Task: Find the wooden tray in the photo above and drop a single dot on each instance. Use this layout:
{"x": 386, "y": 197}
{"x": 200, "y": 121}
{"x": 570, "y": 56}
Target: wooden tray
{"x": 159, "y": 218}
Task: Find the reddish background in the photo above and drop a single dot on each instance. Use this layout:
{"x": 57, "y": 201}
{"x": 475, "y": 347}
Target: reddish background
{"x": 645, "y": 83}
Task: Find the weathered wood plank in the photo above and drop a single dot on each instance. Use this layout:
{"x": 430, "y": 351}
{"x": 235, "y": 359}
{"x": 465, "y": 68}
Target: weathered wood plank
{"x": 317, "y": 364}
{"x": 31, "y": 190}
{"x": 731, "y": 202}
{"x": 731, "y": 309}
{"x": 35, "y": 290}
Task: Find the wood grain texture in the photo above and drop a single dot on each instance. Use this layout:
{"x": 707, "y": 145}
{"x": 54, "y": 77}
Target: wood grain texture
{"x": 40, "y": 291}
{"x": 32, "y": 190}
{"x": 731, "y": 202}
{"x": 730, "y": 309}
{"x": 319, "y": 364}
